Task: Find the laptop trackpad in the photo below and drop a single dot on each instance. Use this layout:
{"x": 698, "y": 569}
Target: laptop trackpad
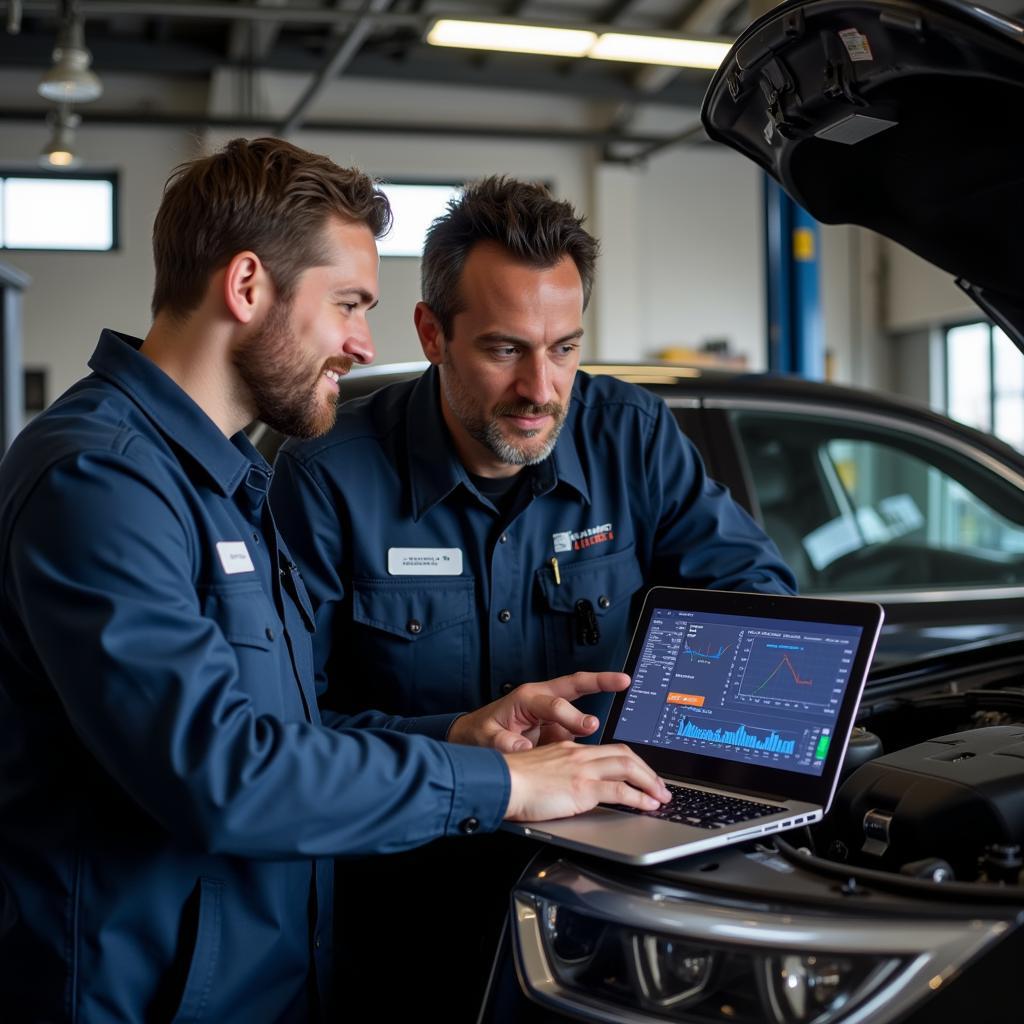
{"x": 605, "y": 830}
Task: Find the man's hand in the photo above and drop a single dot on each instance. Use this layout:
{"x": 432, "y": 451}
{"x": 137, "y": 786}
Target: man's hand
{"x": 535, "y": 713}
{"x": 564, "y": 779}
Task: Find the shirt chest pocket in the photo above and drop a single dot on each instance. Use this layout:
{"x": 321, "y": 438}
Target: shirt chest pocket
{"x": 586, "y": 611}
{"x": 249, "y": 624}
{"x": 415, "y": 643}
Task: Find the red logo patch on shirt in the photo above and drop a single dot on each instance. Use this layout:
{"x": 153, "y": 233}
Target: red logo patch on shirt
{"x": 578, "y": 540}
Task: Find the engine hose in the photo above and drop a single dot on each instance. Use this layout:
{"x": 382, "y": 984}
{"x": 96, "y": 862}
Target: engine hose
{"x": 960, "y": 892}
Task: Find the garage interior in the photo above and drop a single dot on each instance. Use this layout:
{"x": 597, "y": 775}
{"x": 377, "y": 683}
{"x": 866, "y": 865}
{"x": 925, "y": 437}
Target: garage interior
{"x": 696, "y": 244}
{"x": 683, "y": 269}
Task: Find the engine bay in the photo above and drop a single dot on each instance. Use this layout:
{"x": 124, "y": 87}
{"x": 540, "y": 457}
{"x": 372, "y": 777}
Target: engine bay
{"x": 933, "y": 788}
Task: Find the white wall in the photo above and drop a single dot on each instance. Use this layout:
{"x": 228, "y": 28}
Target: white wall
{"x": 439, "y": 158}
{"x": 920, "y": 295}
{"x": 74, "y": 295}
{"x": 853, "y": 295}
{"x": 683, "y": 255}
{"x": 681, "y": 263}
{"x": 681, "y": 237}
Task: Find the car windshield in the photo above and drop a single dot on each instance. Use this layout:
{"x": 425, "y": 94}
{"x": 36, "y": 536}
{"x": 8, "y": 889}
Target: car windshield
{"x": 872, "y": 508}
{"x": 892, "y": 509}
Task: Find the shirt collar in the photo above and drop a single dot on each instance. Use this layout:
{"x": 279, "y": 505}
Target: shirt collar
{"x": 227, "y": 461}
{"x": 566, "y": 456}
{"x": 435, "y": 469}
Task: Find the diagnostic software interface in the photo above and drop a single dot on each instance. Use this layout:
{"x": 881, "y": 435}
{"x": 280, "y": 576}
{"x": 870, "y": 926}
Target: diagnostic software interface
{"x": 759, "y": 691}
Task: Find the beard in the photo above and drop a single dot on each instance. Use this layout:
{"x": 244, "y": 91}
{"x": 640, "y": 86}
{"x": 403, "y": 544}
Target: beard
{"x": 283, "y": 385}
{"x": 486, "y": 427}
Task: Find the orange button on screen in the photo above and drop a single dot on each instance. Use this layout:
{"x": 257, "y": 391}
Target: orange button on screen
{"x": 693, "y": 700}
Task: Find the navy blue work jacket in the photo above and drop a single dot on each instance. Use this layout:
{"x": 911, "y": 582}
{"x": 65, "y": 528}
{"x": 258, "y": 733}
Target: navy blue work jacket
{"x": 169, "y": 797}
{"x": 421, "y": 586}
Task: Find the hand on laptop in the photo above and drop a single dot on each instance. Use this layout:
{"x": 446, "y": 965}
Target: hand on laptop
{"x": 535, "y": 713}
{"x": 564, "y": 779}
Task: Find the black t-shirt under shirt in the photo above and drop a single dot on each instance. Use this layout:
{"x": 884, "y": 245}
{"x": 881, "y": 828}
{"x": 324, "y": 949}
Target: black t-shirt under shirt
{"x": 504, "y": 492}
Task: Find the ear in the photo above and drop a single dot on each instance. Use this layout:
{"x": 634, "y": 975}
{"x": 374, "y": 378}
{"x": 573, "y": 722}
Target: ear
{"x": 429, "y": 330}
{"x": 246, "y": 287}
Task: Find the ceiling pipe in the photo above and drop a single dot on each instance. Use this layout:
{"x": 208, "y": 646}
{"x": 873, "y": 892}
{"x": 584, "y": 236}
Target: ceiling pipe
{"x": 335, "y": 65}
{"x": 596, "y": 137}
{"x": 292, "y": 14}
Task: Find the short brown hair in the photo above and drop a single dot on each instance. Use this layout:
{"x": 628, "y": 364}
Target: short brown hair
{"x": 521, "y": 216}
{"x": 261, "y": 194}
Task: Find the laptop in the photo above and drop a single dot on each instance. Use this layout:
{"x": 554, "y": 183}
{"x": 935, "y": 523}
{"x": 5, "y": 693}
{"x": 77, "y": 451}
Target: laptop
{"x": 743, "y": 704}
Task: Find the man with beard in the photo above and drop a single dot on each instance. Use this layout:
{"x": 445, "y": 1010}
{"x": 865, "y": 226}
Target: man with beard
{"x": 497, "y": 518}
{"x": 170, "y": 795}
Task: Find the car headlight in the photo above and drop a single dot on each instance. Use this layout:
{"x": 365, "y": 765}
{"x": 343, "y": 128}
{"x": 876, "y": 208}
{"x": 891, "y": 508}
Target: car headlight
{"x": 573, "y": 938}
{"x": 813, "y": 988}
{"x": 671, "y": 972}
{"x": 595, "y": 949}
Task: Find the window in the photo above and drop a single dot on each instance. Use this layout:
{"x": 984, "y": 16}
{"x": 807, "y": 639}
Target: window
{"x": 415, "y": 207}
{"x": 58, "y": 211}
{"x": 985, "y": 381}
{"x": 859, "y": 507}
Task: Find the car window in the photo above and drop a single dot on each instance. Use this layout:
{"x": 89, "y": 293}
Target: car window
{"x": 857, "y": 507}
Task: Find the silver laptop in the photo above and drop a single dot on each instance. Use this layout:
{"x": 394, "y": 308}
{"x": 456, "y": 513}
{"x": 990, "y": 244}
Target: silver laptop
{"x": 743, "y": 704}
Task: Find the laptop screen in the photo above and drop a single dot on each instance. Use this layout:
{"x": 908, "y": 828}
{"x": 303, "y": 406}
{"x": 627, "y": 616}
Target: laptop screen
{"x": 759, "y": 691}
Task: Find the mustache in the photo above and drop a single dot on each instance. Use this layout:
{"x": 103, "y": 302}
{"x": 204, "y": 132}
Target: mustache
{"x": 338, "y": 364}
{"x": 511, "y": 409}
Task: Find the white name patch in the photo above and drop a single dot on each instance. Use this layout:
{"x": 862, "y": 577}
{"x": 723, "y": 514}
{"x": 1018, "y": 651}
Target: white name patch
{"x": 234, "y": 556}
{"x": 425, "y": 561}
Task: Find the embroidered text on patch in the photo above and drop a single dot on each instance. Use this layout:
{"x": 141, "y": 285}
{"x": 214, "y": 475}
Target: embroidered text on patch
{"x": 577, "y": 541}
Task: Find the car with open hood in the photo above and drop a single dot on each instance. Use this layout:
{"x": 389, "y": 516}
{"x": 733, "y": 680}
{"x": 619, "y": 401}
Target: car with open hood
{"x": 906, "y": 904}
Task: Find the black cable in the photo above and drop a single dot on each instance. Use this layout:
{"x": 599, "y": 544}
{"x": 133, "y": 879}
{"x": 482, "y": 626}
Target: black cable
{"x": 961, "y": 892}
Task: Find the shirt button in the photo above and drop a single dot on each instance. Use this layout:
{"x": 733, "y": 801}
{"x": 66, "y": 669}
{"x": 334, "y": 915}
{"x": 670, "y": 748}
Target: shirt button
{"x": 269, "y": 633}
{"x": 469, "y": 825}
{"x": 256, "y": 537}
{"x": 503, "y": 539}
{"x": 316, "y": 942}
{"x": 504, "y": 615}
{"x": 507, "y": 687}
{"x": 603, "y": 601}
{"x": 414, "y": 626}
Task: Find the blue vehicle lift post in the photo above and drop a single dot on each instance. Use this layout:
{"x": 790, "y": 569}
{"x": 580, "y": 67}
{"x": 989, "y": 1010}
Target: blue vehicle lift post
{"x": 796, "y": 336}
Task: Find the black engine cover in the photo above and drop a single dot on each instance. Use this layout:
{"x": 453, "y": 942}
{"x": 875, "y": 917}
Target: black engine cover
{"x": 949, "y": 798}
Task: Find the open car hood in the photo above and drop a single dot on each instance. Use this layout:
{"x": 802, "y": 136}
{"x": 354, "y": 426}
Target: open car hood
{"x": 904, "y": 117}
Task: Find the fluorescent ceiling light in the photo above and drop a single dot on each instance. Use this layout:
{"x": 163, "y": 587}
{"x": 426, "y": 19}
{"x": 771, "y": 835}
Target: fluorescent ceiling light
{"x": 511, "y": 38}
{"x": 683, "y": 53}
{"x": 514, "y": 37}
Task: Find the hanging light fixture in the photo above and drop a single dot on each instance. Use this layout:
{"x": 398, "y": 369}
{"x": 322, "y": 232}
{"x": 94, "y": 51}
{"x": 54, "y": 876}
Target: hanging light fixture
{"x": 70, "y": 80}
{"x": 59, "y": 152}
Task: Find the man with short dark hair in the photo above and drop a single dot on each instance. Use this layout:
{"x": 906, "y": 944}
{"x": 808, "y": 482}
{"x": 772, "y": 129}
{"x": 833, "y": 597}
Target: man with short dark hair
{"x": 169, "y": 792}
{"x": 497, "y": 518}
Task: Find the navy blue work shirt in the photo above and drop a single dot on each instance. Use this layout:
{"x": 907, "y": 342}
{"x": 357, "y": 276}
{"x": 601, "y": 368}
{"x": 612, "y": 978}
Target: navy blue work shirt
{"x": 427, "y": 598}
{"x": 167, "y": 787}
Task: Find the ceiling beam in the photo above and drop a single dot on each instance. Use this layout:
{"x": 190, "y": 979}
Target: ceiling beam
{"x": 133, "y": 118}
{"x": 292, "y": 14}
{"x": 253, "y": 40}
{"x": 693, "y": 133}
{"x": 652, "y": 81}
{"x": 341, "y": 55}
{"x": 705, "y": 19}
{"x": 111, "y": 54}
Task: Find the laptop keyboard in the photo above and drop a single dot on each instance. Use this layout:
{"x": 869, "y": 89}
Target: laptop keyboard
{"x": 706, "y": 810}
